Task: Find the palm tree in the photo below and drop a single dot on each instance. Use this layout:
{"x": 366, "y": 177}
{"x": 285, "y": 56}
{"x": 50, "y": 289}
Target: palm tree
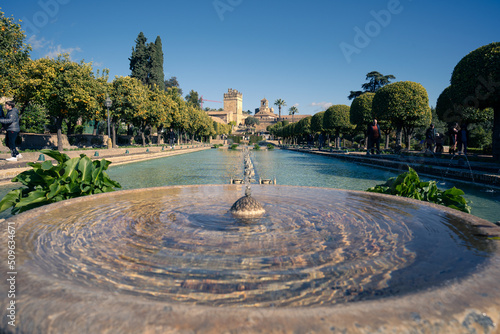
{"x": 280, "y": 103}
{"x": 292, "y": 111}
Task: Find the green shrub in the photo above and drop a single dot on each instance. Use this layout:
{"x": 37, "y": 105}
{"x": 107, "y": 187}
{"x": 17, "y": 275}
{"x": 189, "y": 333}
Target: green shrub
{"x": 79, "y": 129}
{"x": 270, "y": 146}
{"x": 45, "y": 183}
{"x": 408, "y": 185}
{"x": 255, "y": 139}
{"x": 235, "y": 139}
{"x": 234, "y": 147}
{"x": 33, "y": 119}
{"x": 256, "y": 147}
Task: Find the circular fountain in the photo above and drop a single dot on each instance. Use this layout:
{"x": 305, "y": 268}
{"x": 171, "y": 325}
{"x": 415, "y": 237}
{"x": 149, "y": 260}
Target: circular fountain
{"x": 174, "y": 259}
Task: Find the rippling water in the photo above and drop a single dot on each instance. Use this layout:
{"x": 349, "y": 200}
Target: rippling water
{"x": 289, "y": 168}
{"x": 312, "y": 247}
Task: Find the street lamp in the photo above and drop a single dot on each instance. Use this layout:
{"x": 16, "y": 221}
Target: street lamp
{"x": 108, "y": 104}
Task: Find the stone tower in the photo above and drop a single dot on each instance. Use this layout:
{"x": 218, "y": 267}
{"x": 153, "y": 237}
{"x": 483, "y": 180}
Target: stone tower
{"x": 233, "y": 105}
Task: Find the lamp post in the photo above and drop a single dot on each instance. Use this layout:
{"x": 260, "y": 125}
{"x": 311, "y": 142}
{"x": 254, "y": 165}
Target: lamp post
{"x": 108, "y": 104}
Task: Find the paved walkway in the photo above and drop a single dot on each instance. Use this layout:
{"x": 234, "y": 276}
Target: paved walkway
{"x": 457, "y": 167}
{"x": 117, "y": 156}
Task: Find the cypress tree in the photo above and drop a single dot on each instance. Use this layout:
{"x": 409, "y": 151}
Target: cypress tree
{"x": 139, "y": 62}
{"x": 156, "y": 76}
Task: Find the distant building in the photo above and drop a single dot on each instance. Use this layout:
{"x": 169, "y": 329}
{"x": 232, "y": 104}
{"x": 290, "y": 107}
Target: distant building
{"x": 266, "y": 114}
{"x": 233, "y": 108}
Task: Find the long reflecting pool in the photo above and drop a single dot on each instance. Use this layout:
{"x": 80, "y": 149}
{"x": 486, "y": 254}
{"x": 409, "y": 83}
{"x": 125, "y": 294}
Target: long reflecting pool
{"x": 173, "y": 259}
{"x": 289, "y": 168}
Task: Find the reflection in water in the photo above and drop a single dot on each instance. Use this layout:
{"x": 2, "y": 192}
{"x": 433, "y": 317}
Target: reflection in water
{"x": 312, "y": 247}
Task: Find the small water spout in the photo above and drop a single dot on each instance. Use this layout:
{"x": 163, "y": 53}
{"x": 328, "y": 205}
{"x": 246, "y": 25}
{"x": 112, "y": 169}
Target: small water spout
{"x": 247, "y": 206}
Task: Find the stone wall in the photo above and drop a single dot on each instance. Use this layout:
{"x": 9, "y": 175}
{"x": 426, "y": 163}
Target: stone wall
{"x": 32, "y": 141}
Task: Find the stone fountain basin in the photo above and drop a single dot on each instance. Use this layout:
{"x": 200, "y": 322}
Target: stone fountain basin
{"x": 62, "y": 294}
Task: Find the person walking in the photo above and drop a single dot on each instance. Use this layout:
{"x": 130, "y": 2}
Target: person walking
{"x": 453, "y": 138}
{"x": 11, "y": 124}
{"x": 373, "y": 134}
{"x": 171, "y": 138}
{"x": 463, "y": 138}
{"x": 430, "y": 138}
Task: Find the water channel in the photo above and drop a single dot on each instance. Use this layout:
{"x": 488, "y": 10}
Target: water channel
{"x": 289, "y": 168}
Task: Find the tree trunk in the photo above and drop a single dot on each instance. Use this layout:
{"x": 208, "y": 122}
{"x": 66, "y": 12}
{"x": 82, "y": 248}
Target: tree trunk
{"x": 113, "y": 134}
{"x": 495, "y": 149}
{"x": 143, "y": 136}
{"x": 399, "y": 134}
{"x": 59, "y": 134}
{"x": 387, "y": 138}
{"x": 149, "y": 129}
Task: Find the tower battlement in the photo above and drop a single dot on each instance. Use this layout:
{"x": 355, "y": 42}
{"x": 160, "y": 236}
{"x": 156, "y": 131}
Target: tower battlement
{"x": 233, "y": 93}
{"x": 233, "y": 104}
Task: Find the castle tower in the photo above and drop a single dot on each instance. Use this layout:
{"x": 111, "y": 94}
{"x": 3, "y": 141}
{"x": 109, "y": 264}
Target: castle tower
{"x": 233, "y": 105}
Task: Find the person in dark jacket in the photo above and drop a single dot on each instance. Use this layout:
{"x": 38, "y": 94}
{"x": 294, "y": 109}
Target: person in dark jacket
{"x": 463, "y": 138}
{"x": 172, "y": 138}
{"x": 430, "y": 138}
{"x": 373, "y": 134}
{"x": 453, "y": 138}
{"x": 11, "y": 124}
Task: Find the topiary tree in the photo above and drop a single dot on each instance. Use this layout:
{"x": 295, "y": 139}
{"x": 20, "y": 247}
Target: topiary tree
{"x": 475, "y": 83}
{"x": 450, "y": 112}
{"x": 336, "y": 120}
{"x": 361, "y": 112}
{"x": 317, "y": 122}
{"x": 405, "y": 104}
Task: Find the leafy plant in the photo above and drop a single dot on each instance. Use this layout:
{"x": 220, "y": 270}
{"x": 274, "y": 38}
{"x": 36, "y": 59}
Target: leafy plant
{"x": 234, "y": 147}
{"x": 256, "y": 147}
{"x": 270, "y": 146}
{"x": 45, "y": 183}
{"x": 408, "y": 184}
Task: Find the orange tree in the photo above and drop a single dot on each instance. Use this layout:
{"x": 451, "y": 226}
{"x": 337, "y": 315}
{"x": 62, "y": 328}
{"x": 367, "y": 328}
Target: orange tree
{"x": 161, "y": 108}
{"x": 475, "y": 83}
{"x": 13, "y": 54}
{"x": 130, "y": 103}
{"x": 68, "y": 90}
{"x": 405, "y": 104}
{"x": 200, "y": 124}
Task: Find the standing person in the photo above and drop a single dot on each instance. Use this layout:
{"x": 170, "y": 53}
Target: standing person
{"x": 430, "y": 137}
{"x": 11, "y": 125}
{"x": 453, "y": 138}
{"x": 373, "y": 134}
{"x": 463, "y": 136}
{"x": 439, "y": 143}
{"x": 171, "y": 138}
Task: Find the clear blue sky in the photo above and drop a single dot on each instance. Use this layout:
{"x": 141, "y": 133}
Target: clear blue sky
{"x": 309, "y": 53}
